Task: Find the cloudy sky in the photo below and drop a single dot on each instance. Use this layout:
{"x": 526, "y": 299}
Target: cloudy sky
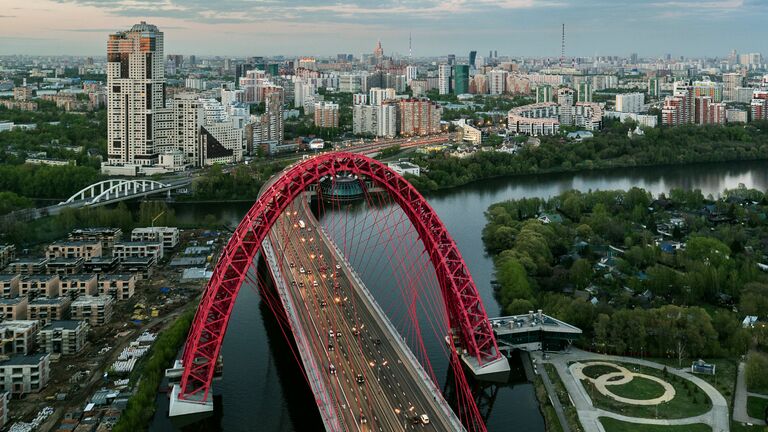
{"x": 439, "y": 27}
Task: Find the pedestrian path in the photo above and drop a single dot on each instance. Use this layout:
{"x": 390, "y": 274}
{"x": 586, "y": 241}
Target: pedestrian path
{"x": 740, "y": 399}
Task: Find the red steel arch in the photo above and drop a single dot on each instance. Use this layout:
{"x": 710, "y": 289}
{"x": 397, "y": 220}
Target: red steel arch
{"x": 462, "y": 301}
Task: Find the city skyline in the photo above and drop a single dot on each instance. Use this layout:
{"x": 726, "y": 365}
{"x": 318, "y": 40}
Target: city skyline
{"x": 515, "y": 28}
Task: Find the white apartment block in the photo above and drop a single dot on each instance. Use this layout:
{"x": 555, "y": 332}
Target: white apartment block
{"x": 123, "y": 250}
{"x": 386, "y": 120}
{"x": 167, "y": 236}
{"x": 65, "y": 337}
{"x": 326, "y": 115}
{"x": 96, "y": 310}
{"x": 444, "y": 78}
{"x": 18, "y": 337}
{"x": 630, "y": 102}
{"x": 25, "y": 374}
{"x": 378, "y": 95}
{"x": 497, "y": 81}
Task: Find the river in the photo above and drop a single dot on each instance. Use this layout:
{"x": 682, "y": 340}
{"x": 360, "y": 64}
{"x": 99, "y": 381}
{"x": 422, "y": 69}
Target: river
{"x": 262, "y": 387}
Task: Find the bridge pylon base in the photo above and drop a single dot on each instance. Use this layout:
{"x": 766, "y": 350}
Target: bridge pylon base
{"x": 188, "y": 409}
{"x": 496, "y": 370}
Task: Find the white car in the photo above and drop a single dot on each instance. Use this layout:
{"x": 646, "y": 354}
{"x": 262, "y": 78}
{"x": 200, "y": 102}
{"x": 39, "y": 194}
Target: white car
{"x": 424, "y": 419}
{"x": 302, "y": 270}
{"x": 338, "y": 267}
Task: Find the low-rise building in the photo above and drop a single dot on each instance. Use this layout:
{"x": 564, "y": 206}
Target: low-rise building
{"x": 77, "y": 285}
{"x": 167, "y": 236}
{"x": 136, "y": 249}
{"x": 48, "y": 309}
{"x": 18, "y": 337}
{"x": 139, "y": 267}
{"x": 404, "y": 168}
{"x": 27, "y": 265}
{"x": 65, "y": 266}
{"x": 102, "y": 264}
{"x": 14, "y": 308}
{"x": 96, "y": 310}
{"x": 10, "y": 285}
{"x": 107, "y": 236}
{"x": 119, "y": 286}
{"x": 25, "y": 374}
{"x": 71, "y": 249}
{"x": 7, "y": 254}
{"x": 66, "y": 337}
{"x": 39, "y": 285}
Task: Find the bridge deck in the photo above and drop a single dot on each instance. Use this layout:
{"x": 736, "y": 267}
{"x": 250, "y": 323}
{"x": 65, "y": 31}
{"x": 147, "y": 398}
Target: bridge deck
{"x": 395, "y": 388}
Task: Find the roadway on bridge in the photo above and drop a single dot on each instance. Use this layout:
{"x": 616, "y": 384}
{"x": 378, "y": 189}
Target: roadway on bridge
{"x": 375, "y": 385}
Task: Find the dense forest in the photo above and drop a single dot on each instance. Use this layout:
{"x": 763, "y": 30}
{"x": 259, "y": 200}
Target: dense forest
{"x": 669, "y": 275}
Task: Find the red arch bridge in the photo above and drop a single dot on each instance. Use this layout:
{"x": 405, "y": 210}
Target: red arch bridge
{"x": 368, "y": 359}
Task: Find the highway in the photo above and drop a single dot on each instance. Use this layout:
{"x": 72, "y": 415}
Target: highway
{"x": 374, "y": 384}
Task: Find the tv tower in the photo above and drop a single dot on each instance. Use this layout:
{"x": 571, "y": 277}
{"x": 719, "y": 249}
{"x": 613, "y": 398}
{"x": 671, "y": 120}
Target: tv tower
{"x": 410, "y": 49}
{"x": 562, "y": 48}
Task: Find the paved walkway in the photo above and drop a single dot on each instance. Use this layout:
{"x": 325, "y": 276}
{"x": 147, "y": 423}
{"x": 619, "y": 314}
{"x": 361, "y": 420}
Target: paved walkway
{"x": 552, "y": 393}
{"x": 717, "y": 417}
{"x": 740, "y": 400}
{"x": 625, "y": 376}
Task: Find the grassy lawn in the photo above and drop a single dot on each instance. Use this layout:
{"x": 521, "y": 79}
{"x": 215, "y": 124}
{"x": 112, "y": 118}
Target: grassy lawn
{"x": 639, "y": 388}
{"x": 597, "y": 370}
{"x": 689, "y": 399}
{"x": 756, "y": 407}
{"x": 613, "y": 425}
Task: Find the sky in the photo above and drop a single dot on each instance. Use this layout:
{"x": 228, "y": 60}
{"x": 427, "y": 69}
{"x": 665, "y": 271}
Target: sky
{"x": 437, "y": 27}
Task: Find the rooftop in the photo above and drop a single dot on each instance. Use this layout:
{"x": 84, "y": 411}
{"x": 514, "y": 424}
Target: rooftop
{"x": 49, "y": 301}
{"x": 74, "y": 243}
{"x": 531, "y": 321}
{"x": 116, "y": 277}
{"x": 12, "y": 301}
{"x": 22, "y": 360}
{"x": 91, "y": 300}
{"x": 8, "y": 277}
{"x": 64, "y": 325}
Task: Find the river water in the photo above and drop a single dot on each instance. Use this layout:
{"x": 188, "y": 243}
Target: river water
{"x": 262, "y": 388}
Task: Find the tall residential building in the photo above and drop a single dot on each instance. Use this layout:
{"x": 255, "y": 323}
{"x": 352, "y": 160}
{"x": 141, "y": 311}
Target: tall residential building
{"x": 497, "y": 81}
{"x": 759, "y": 105}
{"x": 461, "y": 79}
{"x": 364, "y": 119}
{"x": 630, "y": 102}
{"x": 135, "y": 91}
{"x": 544, "y": 93}
{"x": 386, "y": 119}
{"x": 654, "y": 87}
{"x": 419, "y": 116}
{"x": 378, "y": 95}
{"x": 411, "y": 73}
{"x": 566, "y": 102}
{"x": 585, "y": 91}
{"x": 676, "y": 109}
{"x": 266, "y": 131}
{"x": 731, "y": 81}
{"x": 326, "y": 115}
{"x": 444, "y": 79}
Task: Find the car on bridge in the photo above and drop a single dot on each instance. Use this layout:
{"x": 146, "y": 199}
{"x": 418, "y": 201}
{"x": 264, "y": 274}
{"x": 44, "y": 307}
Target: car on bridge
{"x": 360, "y": 379}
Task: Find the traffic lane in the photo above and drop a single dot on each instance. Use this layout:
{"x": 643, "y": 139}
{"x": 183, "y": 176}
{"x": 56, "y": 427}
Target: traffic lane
{"x": 321, "y": 355}
{"x": 410, "y": 392}
{"x": 349, "y": 373}
{"x": 345, "y": 345}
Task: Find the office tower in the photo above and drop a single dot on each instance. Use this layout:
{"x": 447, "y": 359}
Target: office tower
{"x": 630, "y": 102}
{"x": 135, "y": 90}
{"x": 633, "y": 58}
{"x": 451, "y": 59}
{"x": 731, "y": 81}
{"x": 654, "y": 87}
{"x": 585, "y": 91}
{"x": 273, "y": 69}
{"x": 444, "y": 79}
{"x": 419, "y": 116}
{"x": 544, "y": 93}
{"x": 472, "y": 58}
{"x": 497, "y": 81}
{"x": 461, "y": 79}
{"x": 326, "y": 115}
{"x": 192, "y": 60}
